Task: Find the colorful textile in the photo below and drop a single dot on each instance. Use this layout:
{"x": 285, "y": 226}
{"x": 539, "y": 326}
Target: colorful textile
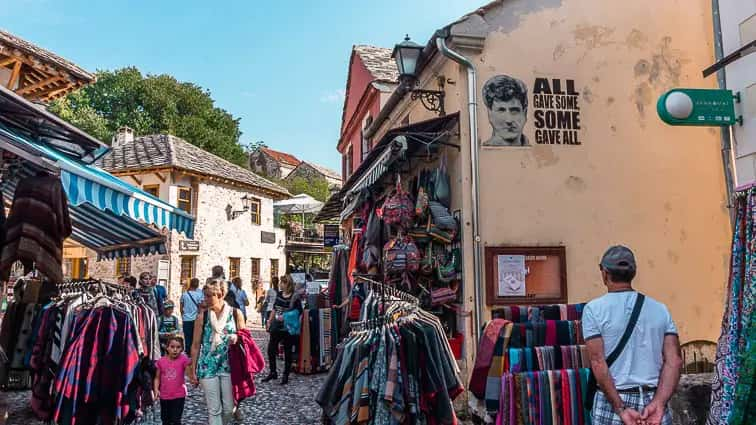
{"x": 732, "y": 395}
{"x": 485, "y": 355}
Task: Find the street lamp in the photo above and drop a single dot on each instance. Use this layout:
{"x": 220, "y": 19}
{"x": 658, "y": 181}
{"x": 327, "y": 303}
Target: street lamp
{"x": 246, "y": 200}
{"x": 407, "y": 55}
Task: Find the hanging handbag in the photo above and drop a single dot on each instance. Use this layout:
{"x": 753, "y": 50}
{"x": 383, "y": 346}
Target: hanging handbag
{"x": 441, "y": 185}
{"x": 440, "y": 296}
{"x": 592, "y": 386}
{"x": 399, "y": 209}
{"x": 447, "y": 271}
{"x": 442, "y": 217}
{"x": 401, "y": 255}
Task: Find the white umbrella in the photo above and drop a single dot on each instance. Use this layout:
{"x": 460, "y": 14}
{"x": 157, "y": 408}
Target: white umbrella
{"x": 299, "y": 204}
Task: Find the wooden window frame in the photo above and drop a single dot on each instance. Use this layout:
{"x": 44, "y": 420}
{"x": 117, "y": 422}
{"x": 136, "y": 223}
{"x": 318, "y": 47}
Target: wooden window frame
{"x": 118, "y": 266}
{"x": 274, "y": 271}
{"x": 255, "y": 216}
{"x": 492, "y": 297}
{"x": 234, "y": 263}
{"x": 149, "y": 187}
{"x": 179, "y": 201}
{"x": 193, "y": 271}
{"x": 255, "y": 273}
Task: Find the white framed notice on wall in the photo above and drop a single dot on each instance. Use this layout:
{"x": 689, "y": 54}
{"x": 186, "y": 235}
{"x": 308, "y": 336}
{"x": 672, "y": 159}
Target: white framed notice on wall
{"x": 511, "y": 279}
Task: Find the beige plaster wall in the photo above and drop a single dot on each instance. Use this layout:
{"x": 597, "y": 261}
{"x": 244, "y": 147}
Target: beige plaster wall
{"x": 633, "y": 180}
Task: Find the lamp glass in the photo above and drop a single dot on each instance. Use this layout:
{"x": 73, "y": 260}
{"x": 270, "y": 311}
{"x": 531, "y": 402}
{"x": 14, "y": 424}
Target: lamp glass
{"x": 245, "y": 202}
{"x": 407, "y": 55}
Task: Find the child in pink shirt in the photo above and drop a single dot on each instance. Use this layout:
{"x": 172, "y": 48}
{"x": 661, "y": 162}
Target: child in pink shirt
{"x": 169, "y": 384}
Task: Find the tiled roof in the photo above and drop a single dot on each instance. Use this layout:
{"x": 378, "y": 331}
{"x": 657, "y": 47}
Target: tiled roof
{"x": 16, "y": 42}
{"x": 379, "y": 62}
{"x": 324, "y": 170}
{"x": 164, "y": 150}
{"x": 282, "y": 156}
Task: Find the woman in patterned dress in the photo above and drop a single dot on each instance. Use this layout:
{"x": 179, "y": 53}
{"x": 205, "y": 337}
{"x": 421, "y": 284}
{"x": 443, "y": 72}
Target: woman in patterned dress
{"x": 212, "y": 337}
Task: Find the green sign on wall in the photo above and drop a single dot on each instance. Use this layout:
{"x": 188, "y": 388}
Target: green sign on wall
{"x": 701, "y": 107}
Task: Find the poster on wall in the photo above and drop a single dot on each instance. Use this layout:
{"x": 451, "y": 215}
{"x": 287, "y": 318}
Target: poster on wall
{"x": 512, "y": 272}
{"x": 555, "y": 105}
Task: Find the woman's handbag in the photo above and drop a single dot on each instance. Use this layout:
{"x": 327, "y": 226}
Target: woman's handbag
{"x": 401, "y": 255}
{"x": 292, "y": 322}
{"x": 399, "y": 209}
{"x": 439, "y": 296}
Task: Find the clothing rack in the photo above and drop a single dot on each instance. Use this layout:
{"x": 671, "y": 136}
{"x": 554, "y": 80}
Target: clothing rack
{"x": 388, "y": 294}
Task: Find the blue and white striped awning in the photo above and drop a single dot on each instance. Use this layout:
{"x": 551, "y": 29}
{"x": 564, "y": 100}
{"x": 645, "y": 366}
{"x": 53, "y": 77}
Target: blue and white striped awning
{"x": 111, "y": 235}
{"x": 87, "y": 184}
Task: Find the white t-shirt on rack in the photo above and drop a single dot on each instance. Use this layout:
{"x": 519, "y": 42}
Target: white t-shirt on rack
{"x": 641, "y": 360}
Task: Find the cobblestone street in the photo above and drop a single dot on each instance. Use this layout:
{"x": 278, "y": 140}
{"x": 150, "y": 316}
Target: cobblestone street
{"x": 273, "y": 404}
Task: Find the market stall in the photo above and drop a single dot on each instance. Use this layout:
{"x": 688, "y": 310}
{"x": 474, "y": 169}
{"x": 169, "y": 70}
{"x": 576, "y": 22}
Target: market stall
{"x": 52, "y": 193}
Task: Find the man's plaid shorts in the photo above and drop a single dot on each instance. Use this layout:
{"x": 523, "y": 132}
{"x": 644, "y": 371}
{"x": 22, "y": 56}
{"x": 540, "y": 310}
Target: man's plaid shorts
{"x": 603, "y": 413}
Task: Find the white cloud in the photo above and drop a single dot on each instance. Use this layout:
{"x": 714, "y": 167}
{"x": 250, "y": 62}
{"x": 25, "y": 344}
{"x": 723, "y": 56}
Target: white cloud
{"x": 334, "y": 96}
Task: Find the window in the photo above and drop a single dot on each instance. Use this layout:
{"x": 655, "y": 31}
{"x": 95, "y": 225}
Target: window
{"x": 366, "y": 145}
{"x": 349, "y": 157}
{"x": 255, "y": 268}
{"x": 273, "y": 268}
{"x": 185, "y": 199}
{"x": 187, "y": 269}
{"x": 75, "y": 268}
{"x": 152, "y": 189}
{"x": 254, "y": 210}
{"x": 234, "y": 264}
{"x": 123, "y": 266}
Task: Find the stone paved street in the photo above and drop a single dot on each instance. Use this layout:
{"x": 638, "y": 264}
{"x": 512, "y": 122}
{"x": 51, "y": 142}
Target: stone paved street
{"x": 274, "y": 404}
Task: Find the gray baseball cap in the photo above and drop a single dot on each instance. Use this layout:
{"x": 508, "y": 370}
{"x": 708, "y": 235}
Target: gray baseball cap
{"x": 618, "y": 258}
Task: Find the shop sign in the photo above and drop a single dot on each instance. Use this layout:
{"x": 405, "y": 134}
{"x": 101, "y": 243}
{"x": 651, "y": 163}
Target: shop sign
{"x": 267, "y": 237}
{"x": 330, "y": 235}
{"x": 697, "y": 107}
{"x": 189, "y": 245}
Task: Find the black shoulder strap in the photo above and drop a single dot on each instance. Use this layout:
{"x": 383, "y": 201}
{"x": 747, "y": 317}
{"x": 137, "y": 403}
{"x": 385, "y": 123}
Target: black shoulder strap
{"x": 628, "y": 330}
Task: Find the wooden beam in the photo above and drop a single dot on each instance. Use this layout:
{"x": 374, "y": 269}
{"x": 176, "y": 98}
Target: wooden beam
{"x": 7, "y": 61}
{"x": 38, "y": 85}
{"x": 160, "y": 176}
{"x": 14, "y": 75}
{"x": 136, "y": 179}
{"x": 57, "y": 92}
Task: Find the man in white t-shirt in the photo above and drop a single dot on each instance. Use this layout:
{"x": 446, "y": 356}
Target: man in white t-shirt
{"x": 637, "y": 386}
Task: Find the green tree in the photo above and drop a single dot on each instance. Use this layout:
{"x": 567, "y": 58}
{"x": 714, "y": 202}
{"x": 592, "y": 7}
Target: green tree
{"x": 152, "y": 104}
{"x": 315, "y": 187}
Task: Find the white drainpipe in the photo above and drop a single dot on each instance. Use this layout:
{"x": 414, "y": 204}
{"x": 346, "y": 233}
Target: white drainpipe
{"x": 472, "y": 109}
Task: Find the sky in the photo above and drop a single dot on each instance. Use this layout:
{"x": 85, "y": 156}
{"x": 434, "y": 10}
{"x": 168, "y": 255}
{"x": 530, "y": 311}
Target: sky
{"x": 280, "y": 66}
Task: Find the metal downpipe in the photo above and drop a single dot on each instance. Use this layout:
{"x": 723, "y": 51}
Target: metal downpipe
{"x": 472, "y": 107}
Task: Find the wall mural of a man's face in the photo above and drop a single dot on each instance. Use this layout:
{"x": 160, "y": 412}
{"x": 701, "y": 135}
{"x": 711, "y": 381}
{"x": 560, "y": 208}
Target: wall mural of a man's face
{"x": 507, "y": 103}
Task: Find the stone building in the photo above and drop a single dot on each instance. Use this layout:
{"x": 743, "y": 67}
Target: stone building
{"x": 309, "y": 171}
{"x": 233, "y": 208}
{"x": 270, "y": 163}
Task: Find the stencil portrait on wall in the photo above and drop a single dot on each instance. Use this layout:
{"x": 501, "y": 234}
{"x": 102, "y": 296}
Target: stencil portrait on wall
{"x": 506, "y": 99}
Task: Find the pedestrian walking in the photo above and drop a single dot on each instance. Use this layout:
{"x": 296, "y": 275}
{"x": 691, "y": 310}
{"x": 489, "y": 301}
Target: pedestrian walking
{"x": 214, "y": 331}
{"x": 240, "y": 296}
{"x": 149, "y": 294}
{"x": 285, "y": 301}
{"x": 169, "y": 384}
{"x": 270, "y": 300}
{"x": 168, "y": 326}
{"x": 190, "y": 306}
{"x": 634, "y": 348}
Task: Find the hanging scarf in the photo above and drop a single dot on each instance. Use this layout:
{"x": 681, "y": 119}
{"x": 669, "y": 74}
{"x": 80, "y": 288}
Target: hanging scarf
{"x": 218, "y": 324}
